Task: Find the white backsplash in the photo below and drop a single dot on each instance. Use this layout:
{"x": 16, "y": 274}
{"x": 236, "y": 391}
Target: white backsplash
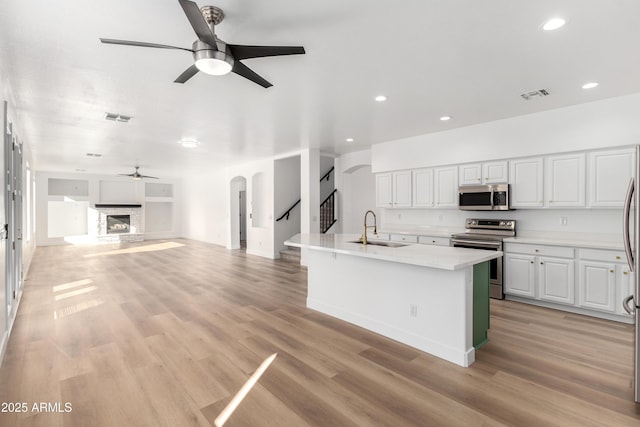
{"x": 605, "y": 222}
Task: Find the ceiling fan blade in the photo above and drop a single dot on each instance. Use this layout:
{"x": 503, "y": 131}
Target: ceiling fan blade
{"x": 147, "y": 176}
{"x": 126, "y": 174}
{"x": 245, "y": 52}
{"x": 198, "y": 23}
{"x": 187, "y": 74}
{"x": 242, "y": 70}
{"x": 142, "y": 44}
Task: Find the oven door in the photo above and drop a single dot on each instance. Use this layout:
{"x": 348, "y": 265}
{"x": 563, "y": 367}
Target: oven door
{"x": 495, "y": 265}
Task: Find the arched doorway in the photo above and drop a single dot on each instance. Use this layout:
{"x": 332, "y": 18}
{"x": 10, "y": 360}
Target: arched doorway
{"x": 238, "y": 213}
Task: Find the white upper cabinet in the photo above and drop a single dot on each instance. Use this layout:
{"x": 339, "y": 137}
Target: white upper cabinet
{"x": 609, "y": 175}
{"x": 402, "y": 189}
{"x": 393, "y": 189}
{"x": 495, "y": 172}
{"x": 527, "y": 182}
{"x": 483, "y": 173}
{"x": 565, "y": 180}
{"x": 470, "y": 174}
{"x": 445, "y": 187}
{"x": 384, "y": 190}
{"x": 423, "y": 188}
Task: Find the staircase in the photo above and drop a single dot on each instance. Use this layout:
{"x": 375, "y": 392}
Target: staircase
{"x": 291, "y": 254}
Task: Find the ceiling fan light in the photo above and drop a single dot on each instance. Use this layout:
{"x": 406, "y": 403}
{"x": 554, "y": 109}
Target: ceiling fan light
{"x": 213, "y": 62}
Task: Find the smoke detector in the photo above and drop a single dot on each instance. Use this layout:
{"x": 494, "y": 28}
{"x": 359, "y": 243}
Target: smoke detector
{"x": 535, "y": 94}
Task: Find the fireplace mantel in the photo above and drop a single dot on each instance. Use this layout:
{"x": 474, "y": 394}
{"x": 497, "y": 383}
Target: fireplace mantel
{"x": 115, "y": 205}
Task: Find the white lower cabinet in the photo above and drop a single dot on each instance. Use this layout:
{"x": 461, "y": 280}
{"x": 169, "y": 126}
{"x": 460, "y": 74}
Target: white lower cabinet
{"x": 547, "y": 273}
{"x": 520, "y": 275}
{"x": 605, "y": 280}
{"x": 597, "y": 285}
{"x": 556, "y": 280}
{"x": 544, "y": 278}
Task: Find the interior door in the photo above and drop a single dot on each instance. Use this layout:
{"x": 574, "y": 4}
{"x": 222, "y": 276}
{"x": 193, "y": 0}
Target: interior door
{"x": 10, "y": 293}
{"x": 17, "y": 215}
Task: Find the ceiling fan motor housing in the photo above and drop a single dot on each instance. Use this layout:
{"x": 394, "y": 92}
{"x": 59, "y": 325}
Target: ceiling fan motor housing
{"x": 203, "y": 53}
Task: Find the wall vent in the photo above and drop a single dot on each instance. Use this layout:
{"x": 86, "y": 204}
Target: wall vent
{"x": 535, "y": 94}
{"x": 117, "y": 117}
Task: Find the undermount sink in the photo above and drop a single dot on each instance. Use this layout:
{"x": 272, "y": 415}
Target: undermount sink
{"x": 380, "y": 243}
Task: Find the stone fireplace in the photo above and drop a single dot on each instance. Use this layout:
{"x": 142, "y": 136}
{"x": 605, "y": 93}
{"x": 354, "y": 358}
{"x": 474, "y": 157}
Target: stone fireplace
{"x": 119, "y": 223}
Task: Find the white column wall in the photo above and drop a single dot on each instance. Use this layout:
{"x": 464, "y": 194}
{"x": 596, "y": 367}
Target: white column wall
{"x": 309, "y": 193}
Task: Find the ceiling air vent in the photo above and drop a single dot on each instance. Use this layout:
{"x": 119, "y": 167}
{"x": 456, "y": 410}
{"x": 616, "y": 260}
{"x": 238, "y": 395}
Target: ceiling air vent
{"x": 117, "y": 117}
{"x": 534, "y": 94}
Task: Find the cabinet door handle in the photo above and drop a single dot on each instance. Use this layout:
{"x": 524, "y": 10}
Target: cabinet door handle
{"x": 612, "y": 271}
{"x": 625, "y": 272}
{"x": 617, "y": 257}
{"x": 537, "y": 250}
{"x": 541, "y": 263}
{"x": 531, "y": 262}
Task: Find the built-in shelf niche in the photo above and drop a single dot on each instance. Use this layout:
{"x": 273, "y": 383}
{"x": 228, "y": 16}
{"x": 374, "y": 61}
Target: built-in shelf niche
{"x": 152, "y": 189}
{"x": 68, "y": 187}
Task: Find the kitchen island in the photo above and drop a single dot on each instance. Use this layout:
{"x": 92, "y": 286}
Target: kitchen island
{"x": 433, "y": 298}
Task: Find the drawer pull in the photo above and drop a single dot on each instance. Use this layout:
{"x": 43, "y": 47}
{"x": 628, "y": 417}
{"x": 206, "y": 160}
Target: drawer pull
{"x": 625, "y": 272}
{"x": 617, "y": 257}
{"x": 541, "y": 263}
{"x": 531, "y": 262}
{"x": 537, "y": 250}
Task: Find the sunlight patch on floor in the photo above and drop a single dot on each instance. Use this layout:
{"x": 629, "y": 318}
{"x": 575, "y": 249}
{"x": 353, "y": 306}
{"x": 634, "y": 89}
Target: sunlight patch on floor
{"x": 71, "y": 285}
{"x": 246, "y": 388}
{"x": 75, "y": 293}
{"x": 76, "y": 308}
{"x": 147, "y": 248}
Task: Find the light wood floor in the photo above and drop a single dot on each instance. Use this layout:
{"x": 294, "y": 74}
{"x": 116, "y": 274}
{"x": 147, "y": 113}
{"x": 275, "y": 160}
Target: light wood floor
{"x": 166, "y": 337}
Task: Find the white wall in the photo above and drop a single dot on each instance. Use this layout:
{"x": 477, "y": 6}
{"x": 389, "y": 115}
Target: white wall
{"x": 356, "y": 190}
{"x": 28, "y": 236}
{"x": 205, "y": 207}
{"x": 101, "y": 189}
{"x": 608, "y": 123}
{"x": 358, "y": 196}
{"x": 286, "y": 193}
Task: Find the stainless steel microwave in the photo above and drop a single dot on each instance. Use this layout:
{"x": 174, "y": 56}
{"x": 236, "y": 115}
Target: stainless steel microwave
{"x": 493, "y": 197}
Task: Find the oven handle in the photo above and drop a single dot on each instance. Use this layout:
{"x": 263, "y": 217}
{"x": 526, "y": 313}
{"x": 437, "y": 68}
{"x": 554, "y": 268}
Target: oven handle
{"x": 475, "y": 242}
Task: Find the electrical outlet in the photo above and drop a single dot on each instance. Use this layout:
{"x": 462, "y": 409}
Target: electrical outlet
{"x": 564, "y": 220}
{"x": 413, "y": 310}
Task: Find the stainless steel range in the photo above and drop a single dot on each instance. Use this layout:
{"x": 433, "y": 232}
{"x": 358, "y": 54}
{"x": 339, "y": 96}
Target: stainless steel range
{"x": 487, "y": 234}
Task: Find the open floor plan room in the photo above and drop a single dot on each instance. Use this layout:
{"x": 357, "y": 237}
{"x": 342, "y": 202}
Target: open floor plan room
{"x": 166, "y": 333}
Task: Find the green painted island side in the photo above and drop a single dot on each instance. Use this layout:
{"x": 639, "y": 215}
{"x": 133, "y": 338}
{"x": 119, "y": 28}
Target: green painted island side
{"x": 480, "y": 304}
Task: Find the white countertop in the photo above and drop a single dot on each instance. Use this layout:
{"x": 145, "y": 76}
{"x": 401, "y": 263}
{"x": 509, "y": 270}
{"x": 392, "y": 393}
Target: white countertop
{"x": 441, "y": 257}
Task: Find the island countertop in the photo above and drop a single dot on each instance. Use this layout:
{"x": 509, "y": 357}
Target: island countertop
{"x": 440, "y": 257}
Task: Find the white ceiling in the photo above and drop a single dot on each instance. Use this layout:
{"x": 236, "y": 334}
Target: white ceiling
{"x": 465, "y": 58}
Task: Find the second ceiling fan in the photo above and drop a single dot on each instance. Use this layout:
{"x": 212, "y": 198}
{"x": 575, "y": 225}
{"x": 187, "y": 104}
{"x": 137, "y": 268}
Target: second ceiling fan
{"x": 212, "y": 55}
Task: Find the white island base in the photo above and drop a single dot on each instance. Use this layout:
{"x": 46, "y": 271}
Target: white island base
{"x": 426, "y": 308}
{"x": 411, "y": 294}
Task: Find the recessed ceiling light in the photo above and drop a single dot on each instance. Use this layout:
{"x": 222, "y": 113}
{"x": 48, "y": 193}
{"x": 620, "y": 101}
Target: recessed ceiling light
{"x": 590, "y": 85}
{"x": 188, "y": 142}
{"x": 553, "y": 24}
{"x": 349, "y": 139}
{"x": 445, "y": 118}
{"x": 380, "y": 98}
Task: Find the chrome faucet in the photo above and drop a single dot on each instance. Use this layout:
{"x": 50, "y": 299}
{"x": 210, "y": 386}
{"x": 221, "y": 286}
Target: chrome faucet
{"x": 375, "y": 227}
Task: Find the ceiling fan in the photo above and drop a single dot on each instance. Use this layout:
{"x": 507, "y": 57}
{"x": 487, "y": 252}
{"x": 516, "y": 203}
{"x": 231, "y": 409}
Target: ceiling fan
{"x": 136, "y": 175}
{"x": 212, "y": 55}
